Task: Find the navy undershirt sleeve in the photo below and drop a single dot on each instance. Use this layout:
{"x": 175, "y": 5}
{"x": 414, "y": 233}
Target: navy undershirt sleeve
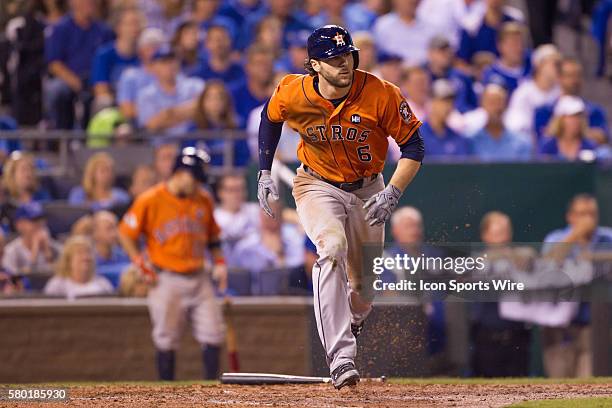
{"x": 414, "y": 148}
{"x": 269, "y": 136}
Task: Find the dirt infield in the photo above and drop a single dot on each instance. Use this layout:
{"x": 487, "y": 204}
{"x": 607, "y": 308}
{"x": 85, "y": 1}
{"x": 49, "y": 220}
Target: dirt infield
{"x": 324, "y": 396}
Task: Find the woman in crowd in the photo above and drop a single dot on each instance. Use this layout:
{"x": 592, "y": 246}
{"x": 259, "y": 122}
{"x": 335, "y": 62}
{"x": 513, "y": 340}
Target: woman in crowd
{"x": 21, "y": 181}
{"x": 97, "y": 189}
{"x": 215, "y": 112}
{"x": 568, "y": 129}
{"x": 75, "y": 275}
{"x": 186, "y": 45}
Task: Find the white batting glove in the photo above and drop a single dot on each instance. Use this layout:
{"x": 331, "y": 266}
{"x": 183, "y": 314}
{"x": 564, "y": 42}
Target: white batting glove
{"x": 382, "y": 204}
{"x": 265, "y": 188}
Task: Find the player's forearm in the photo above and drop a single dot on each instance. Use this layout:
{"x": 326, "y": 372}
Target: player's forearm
{"x": 404, "y": 173}
{"x": 269, "y": 136}
{"x": 129, "y": 246}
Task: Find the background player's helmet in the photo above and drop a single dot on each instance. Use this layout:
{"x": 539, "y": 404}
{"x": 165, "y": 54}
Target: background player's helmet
{"x": 330, "y": 41}
{"x": 194, "y": 160}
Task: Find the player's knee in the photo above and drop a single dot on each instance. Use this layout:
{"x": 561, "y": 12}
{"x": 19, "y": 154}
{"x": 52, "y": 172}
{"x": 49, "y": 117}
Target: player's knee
{"x": 332, "y": 245}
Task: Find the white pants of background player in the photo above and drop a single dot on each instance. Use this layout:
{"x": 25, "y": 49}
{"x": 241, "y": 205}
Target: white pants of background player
{"x": 334, "y": 220}
{"x": 178, "y": 299}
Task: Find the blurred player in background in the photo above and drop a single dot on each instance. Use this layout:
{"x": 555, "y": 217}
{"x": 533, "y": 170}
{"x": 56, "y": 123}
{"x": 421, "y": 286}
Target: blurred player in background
{"x": 175, "y": 218}
{"x": 344, "y": 117}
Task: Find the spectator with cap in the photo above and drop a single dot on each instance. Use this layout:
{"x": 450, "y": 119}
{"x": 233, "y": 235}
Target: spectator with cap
{"x": 416, "y": 85}
{"x": 511, "y": 66}
{"x": 568, "y": 132}
{"x": 480, "y": 34}
{"x": 97, "y": 190}
{"x": 218, "y": 62}
{"x": 292, "y": 62}
{"x": 256, "y": 88}
{"x": 531, "y": 94}
{"x": 389, "y": 67}
{"x": 33, "y": 251}
{"x": 69, "y": 52}
{"x": 167, "y": 104}
{"x": 403, "y": 32}
{"x": 440, "y": 66}
{"x": 75, "y": 273}
{"x": 186, "y": 46}
{"x": 207, "y": 13}
{"x": 494, "y": 142}
{"x": 113, "y": 58}
{"x": 440, "y": 139}
{"x": 367, "y": 50}
{"x": 571, "y": 78}
{"x": 282, "y": 10}
{"x": 132, "y": 80}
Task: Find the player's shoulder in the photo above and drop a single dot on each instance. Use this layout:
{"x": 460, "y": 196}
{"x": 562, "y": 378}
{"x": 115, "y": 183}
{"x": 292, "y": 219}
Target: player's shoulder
{"x": 150, "y": 195}
{"x": 376, "y": 85}
{"x": 204, "y": 196}
{"x": 291, "y": 81}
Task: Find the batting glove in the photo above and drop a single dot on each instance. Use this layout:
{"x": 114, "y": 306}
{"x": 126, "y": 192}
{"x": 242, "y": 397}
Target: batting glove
{"x": 265, "y": 188}
{"x": 382, "y": 204}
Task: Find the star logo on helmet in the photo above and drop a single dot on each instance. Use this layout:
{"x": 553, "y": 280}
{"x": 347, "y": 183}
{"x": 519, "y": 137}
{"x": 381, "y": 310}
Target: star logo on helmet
{"x": 339, "y": 40}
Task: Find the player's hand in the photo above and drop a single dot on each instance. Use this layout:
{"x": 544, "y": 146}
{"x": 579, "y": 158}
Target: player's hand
{"x": 265, "y": 188}
{"x": 219, "y": 275}
{"x": 382, "y": 204}
{"x": 146, "y": 269}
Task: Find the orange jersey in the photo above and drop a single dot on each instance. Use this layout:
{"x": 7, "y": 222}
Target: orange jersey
{"x": 348, "y": 142}
{"x": 177, "y": 230}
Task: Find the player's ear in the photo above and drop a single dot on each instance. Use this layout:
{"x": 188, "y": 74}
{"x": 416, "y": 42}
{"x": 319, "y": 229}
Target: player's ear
{"x": 316, "y": 66}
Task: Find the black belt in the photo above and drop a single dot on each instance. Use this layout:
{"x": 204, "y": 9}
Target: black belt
{"x": 346, "y": 186}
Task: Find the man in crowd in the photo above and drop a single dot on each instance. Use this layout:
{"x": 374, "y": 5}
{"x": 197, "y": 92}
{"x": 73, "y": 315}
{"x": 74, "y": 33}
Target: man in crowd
{"x": 69, "y": 51}
{"x": 108, "y": 252}
{"x": 218, "y": 63}
{"x": 167, "y": 104}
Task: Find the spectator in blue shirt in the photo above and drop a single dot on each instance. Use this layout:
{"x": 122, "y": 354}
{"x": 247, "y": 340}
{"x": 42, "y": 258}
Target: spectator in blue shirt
{"x": 186, "y": 46}
{"x": 573, "y": 343}
{"x": 215, "y": 112}
{"x": 21, "y": 181}
{"x": 440, "y": 66}
{"x": 440, "y": 140}
{"x": 218, "y": 62}
{"x": 134, "y": 79}
{"x": 238, "y": 10}
{"x": 279, "y": 9}
{"x": 495, "y": 142}
{"x": 256, "y": 88}
{"x": 112, "y": 59}
{"x": 207, "y": 13}
{"x": 482, "y": 35}
{"x": 571, "y": 78}
{"x": 97, "y": 190}
{"x": 293, "y": 60}
{"x": 69, "y": 52}
{"x": 512, "y": 65}
{"x": 352, "y": 16}
{"x": 167, "y": 104}
{"x": 568, "y": 131}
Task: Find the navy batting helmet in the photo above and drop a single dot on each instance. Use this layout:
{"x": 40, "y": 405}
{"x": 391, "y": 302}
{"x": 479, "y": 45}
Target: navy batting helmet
{"x": 194, "y": 160}
{"x": 330, "y": 41}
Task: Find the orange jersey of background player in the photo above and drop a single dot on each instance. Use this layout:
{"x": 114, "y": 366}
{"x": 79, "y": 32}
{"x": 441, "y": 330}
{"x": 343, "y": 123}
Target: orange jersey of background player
{"x": 177, "y": 230}
{"x": 348, "y": 142}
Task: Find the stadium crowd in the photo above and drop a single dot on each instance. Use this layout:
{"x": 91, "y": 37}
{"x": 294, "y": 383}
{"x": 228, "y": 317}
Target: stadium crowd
{"x": 485, "y": 86}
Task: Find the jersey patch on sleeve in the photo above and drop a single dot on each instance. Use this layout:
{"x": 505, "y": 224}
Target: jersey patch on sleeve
{"x": 405, "y": 112}
{"x": 130, "y": 220}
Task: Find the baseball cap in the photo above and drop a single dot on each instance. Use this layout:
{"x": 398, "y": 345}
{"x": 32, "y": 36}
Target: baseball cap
{"x": 569, "y": 105}
{"x": 543, "y": 52}
{"x": 31, "y": 211}
{"x": 439, "y": 42}
{"x": 151, "y": 36}
{"x": 384, "y": 56}
{"x": 443, "y": 89}
{"x": 163, "y": 53}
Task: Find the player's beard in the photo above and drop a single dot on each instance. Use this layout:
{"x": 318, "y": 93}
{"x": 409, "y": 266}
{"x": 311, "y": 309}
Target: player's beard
{"x": 338, "y": 81}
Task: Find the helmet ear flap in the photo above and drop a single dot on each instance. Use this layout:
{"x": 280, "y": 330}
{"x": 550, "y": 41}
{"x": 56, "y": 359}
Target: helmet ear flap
{"x": 355, "y": 59}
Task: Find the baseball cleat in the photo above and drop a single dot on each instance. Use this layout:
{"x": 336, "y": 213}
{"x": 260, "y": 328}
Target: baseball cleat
{"x": 357, "y": 328}
{"x": 345, "y": 375}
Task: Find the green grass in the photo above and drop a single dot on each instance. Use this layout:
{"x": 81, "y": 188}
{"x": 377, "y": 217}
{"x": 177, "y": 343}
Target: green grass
{"x": 509, "y": 381}
{"x": 563, "y": 403}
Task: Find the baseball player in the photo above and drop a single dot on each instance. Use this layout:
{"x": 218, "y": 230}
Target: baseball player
{"x": 175, "y": 218}
{"x": 344, "y": 117}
